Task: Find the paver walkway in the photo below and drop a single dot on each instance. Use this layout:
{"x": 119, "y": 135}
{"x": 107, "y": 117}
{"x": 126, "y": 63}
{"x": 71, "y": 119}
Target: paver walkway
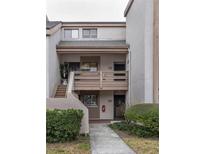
{"x": 105, "y": 141}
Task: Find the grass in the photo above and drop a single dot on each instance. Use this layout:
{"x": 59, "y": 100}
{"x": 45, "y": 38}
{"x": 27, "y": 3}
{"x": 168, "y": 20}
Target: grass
{"x": 79, "y": 146}
{"x": 140, "y": 145}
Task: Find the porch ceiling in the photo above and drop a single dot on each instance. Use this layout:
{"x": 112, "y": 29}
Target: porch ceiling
{"x": 92, "y": 47}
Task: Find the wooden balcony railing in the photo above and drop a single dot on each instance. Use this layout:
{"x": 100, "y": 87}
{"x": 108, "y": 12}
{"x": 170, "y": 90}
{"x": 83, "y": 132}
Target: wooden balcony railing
{"x": 101, "y": 80}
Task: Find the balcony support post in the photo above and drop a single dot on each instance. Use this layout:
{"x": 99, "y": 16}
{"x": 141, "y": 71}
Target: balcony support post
{"x": 100, "y": 79}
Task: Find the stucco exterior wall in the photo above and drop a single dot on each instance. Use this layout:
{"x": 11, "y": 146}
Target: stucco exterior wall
{"x": 139, "y": 37}
{"x": 149, "y": 51}
{"x": 52, "y": 63}
{"x": 106, "y": 60}
{"x": 103, "y": 33}
{"x": 112, "y": 33}
{"x": 106, "y": 98}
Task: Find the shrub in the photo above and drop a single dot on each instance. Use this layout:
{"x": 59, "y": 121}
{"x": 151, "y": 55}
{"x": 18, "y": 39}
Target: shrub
{"x": 120, "y": 126}
{"x": 62, "y": 125}
{"x": 145, "y": 118}
{"x": 141, "y": 120}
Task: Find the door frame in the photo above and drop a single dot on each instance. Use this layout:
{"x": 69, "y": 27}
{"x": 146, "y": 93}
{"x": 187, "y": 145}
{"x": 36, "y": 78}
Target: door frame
{"x": 114, "y": 110}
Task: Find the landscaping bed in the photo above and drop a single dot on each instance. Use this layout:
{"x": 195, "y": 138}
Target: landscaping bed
{"x": 62, "y": 132}
{"x": 142, "y": 120}
{"x": 140, "y": 129}
{"x": 138, "y": 144}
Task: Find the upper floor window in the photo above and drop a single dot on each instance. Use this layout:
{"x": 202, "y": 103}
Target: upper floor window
{"x": 71, "y": 33}
{"x": 90, "y": 33}
{"x": 89, "y": 66}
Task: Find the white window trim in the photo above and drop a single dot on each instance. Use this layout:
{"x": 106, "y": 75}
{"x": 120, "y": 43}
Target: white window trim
{"x": 71, "y": 38}
{"x": 90, "y": 36}
{"x": 90, "y": 105}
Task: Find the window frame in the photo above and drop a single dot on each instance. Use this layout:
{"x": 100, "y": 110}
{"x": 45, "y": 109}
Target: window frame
{"x": 90, "y": 35}
{"x": 71, "y": 37}
{"x": 91, "y": 104}
{"x": 89, "y": 67}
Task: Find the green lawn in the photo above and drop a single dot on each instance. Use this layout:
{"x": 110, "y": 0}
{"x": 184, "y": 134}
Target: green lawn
{"x": 140, "y": 145}
{"x": 80, "y": 146}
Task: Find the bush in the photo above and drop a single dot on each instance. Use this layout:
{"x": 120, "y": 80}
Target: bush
{"x": 121, "y": 126}
{"x": 141, "y": 120}
{"x": 62, "y": 125}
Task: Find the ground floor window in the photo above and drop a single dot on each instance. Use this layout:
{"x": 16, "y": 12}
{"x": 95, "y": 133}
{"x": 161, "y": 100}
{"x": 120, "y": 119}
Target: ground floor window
{"x": 90, "y": 100}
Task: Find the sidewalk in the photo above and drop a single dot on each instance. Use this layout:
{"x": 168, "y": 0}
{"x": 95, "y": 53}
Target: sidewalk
{"x": 105, "y": 141}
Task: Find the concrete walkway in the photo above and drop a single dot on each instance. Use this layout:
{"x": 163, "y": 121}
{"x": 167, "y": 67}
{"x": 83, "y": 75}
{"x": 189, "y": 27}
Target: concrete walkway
{"x": 105, "y": 141}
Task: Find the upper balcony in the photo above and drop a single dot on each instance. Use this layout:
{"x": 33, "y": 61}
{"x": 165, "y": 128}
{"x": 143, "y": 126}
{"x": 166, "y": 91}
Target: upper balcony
{"x": 101, "y": 80}
{"x": 96, "y": 71}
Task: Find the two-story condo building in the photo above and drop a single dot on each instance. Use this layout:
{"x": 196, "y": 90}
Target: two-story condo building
{"x": 96, "y": 53}
{"x": 107, "y": 66}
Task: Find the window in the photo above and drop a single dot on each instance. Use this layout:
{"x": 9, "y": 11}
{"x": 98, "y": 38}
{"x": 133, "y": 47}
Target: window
{"x": 90, "y": 100}
{"x": 89, "y": 66}
{"x": 119, "y": 66}
{"x": 89, "y": 33}
{"x": 71, "y": 34}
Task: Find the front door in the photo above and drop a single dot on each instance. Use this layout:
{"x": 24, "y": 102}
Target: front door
{"x": 119, "y": 106}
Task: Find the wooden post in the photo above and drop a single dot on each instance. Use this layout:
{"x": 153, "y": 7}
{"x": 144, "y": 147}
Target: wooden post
{"x": 70, "y": 83}
{"x": 100, "y": 79}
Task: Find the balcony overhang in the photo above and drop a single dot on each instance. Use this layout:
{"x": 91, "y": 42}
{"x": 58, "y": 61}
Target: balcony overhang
{"x": 101, "y": 47}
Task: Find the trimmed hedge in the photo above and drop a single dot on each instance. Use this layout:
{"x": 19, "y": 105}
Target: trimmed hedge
{"x": 62, "y": 125}
{"x": 141, "y": 120}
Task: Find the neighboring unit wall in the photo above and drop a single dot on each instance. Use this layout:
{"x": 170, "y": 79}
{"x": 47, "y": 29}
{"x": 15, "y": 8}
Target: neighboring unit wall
{"x": 53, "y": 72}
{"x": 148, "y": 51}
{"x": 139, "y": 36}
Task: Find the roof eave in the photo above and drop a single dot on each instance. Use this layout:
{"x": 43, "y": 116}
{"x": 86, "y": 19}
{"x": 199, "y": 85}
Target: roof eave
{"x": 54, "y": 29}
{"x": 93, "y": 24}
{"x": 92, "y": 47}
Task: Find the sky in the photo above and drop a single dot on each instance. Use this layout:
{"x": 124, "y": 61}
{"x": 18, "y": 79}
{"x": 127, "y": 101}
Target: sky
{"x": 86, "y": 10}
